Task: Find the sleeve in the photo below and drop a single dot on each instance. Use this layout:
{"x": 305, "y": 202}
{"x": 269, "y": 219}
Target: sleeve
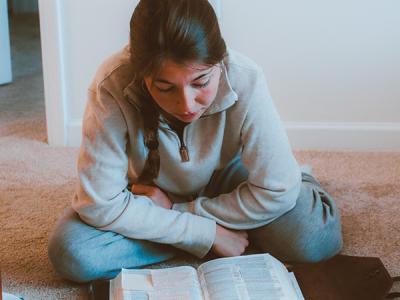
{"x": 102, "y": 198}
{"x": 274, "y": 180}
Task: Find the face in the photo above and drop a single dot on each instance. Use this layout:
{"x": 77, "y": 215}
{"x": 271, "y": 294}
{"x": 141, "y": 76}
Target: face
{"x": 184, "y": 91}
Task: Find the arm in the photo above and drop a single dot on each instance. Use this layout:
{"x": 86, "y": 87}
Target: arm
{"x": 102, "y": 198}
{"x": 274, "y": 178}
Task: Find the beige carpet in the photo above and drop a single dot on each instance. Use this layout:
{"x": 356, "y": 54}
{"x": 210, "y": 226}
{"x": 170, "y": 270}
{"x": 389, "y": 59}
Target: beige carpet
{"x": 37, "y": 182}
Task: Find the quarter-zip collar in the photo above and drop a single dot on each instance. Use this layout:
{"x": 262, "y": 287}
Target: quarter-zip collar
{"x": 226, "y": 96}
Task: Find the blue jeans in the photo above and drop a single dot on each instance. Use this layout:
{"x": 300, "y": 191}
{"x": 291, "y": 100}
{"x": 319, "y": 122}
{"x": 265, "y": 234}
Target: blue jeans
{"x": 310, "y": 232}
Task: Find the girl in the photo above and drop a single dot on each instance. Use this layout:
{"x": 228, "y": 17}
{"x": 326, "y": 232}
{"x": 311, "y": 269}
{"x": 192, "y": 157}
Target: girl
{"x": 183, "y": 150}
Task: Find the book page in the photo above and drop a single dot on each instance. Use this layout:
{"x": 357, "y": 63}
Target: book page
{"x": 255, "y": 277}
{"x": 296, "y": 286}
{"x": 161, "y": 284}
{"x": 7, "y": 296}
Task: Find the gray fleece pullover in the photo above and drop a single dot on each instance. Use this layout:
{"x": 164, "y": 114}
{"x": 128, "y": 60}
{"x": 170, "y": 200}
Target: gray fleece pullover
{"x": 242, "y": 120}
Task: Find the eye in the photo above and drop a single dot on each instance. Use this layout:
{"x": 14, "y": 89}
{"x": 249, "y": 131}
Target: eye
{"x": 202, "y": 85}
{"x": 165, "y": 90}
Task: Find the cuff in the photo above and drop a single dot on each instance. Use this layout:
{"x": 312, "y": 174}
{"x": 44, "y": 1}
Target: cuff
{"x": 202, "y": 232}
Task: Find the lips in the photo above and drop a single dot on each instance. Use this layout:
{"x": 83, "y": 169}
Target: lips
{"x": 189, "y": 116}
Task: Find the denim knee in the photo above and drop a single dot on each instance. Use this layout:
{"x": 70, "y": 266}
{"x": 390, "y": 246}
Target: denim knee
{"x": 318, "y": 246}
{"x": 69, "y": 261}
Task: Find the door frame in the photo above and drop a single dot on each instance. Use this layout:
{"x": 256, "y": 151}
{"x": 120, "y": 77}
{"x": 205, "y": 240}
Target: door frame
{"x": 5, "y": 51}
{"x": 53, "y": 71}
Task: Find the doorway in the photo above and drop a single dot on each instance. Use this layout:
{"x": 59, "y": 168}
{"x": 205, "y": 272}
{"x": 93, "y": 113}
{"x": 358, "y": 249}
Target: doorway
{"x": 22, "y": 105}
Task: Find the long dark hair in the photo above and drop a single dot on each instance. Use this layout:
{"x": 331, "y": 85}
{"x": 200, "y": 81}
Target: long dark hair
{"x": 180, "y": 30}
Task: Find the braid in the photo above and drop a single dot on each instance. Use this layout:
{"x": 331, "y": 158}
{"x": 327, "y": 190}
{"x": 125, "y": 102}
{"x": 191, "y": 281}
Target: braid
{"x": 150, "y": 127}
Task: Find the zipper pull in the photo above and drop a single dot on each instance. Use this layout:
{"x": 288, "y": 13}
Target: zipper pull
{"x": 184, "y": 153}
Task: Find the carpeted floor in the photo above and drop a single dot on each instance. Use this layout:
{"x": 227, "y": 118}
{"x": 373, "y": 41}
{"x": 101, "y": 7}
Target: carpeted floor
{"x": 37, "y": 182}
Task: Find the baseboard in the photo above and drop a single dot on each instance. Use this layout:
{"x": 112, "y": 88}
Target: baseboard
{"x": 344, "y": 136}
{"x": 318, "y": 136}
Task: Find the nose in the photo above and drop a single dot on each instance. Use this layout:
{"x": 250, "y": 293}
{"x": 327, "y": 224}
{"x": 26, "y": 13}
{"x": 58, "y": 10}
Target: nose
{"x": 186, "y": 101}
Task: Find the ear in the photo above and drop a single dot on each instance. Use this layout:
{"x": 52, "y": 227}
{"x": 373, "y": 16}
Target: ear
{"x": 147, "y": 83}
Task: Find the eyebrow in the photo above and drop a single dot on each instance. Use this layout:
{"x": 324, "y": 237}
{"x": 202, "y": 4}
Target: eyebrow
{"x": 197, "y": 78}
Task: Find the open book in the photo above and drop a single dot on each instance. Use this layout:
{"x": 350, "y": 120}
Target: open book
{"x": 249, "y": 277}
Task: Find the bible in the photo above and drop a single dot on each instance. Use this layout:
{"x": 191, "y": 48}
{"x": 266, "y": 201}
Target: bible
{"x": 255, "y": 276}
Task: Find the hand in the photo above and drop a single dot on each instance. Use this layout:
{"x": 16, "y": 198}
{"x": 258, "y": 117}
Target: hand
{"x": 229, "y": 242}
{"x": 154, "y": 193}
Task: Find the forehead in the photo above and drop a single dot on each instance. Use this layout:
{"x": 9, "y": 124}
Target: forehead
{"x": 171, "y": 69}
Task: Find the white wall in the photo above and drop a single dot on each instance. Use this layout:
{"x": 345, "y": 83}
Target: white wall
{"x": 102, "y": 31}
{"x": 333, "y": 67}
{"x": 5, "y": 58}
{"x": 76, "y": 37}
